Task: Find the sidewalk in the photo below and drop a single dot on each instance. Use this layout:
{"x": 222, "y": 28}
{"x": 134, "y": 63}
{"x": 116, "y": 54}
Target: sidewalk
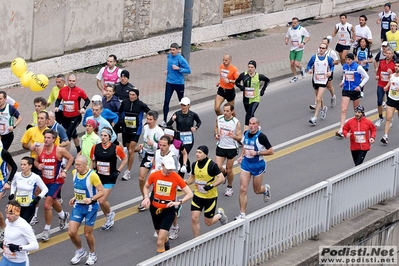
{"x": 266, "y": 48}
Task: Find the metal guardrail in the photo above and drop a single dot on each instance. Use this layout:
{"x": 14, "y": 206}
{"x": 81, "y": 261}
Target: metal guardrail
{"x": 292, "y": 220}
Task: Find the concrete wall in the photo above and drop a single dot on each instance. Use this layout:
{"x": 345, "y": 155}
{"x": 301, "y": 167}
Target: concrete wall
{"x": 63, "y": 35}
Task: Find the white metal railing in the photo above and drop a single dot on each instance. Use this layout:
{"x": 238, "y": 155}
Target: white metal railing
{"x": 292, "y": 220}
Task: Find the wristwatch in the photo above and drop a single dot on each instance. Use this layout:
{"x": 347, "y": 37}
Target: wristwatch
{"x": 65, "y": 171}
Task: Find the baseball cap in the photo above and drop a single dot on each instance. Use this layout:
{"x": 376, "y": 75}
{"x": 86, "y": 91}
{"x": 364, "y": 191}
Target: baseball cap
{"x": 359, "y": 108}
{"x": 125, "y": 73}
{"x": 384, "y": 43}
{"x": 350, "y": 56}
{"x": 96, "y": 98}
{"x": 185, "y": 101}
{"x": 169, "y": 163}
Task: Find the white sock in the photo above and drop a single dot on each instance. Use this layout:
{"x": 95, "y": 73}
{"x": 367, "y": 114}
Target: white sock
{"x": 47, "y": 227}
{"x": 36, "y": 210}
{"x": 61, "y": 214}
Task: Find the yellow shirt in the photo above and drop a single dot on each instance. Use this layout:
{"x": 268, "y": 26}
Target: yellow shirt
{"x": 34, "y": 134}
{"x": 202, "y": 178}
{"x": 34, "y": 118}
{"x": 393, "y": 40}
{"x": 53, "y": 95}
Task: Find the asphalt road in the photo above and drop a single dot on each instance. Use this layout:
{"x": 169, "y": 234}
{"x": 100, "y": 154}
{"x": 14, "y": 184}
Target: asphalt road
{"x": 304, "y": 156}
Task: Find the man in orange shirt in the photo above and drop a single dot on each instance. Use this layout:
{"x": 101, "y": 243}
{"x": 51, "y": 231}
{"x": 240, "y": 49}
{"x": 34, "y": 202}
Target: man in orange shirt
{"x": 163, "y": 200}
{"x": 228, "y": 75}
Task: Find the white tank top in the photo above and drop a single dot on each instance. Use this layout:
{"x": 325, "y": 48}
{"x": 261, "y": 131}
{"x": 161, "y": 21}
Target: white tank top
{"x": 394, "y": 88}
{"x": 320, "y": 70}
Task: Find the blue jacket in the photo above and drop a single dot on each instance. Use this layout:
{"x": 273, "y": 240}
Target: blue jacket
{"x": 176, "y": 76}
{"x": 106, "y": 113}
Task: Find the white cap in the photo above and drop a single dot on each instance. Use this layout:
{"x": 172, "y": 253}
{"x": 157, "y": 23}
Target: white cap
{"x": 169, "y": 163}
{"x": 96, "y": 98}
{"x": 384, "y": 43}
{"x": 185, "y": 101}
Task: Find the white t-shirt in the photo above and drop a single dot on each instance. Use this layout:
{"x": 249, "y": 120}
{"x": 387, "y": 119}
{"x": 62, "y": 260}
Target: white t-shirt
{"x": 362, "y": 32}
{"x": 25, "y": 187}
{"x": 296, "y": 37}
{"x": 153, "y": 134}
{"x": 344, "y": 32}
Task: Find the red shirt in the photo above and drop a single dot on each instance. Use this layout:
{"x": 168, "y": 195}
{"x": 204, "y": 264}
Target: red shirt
{"x": 382, "y": 72}
{"x": 71, "y": 99}
{"x": 361, "y": 132}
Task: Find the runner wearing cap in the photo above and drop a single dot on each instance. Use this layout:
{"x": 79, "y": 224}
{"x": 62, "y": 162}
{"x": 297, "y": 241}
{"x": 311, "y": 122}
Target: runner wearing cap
{"x": 251, "y": 86}
{"x": 110, "y": 116}
{"x": 385, "y": 18}
{"x": 108, "y": 74}
{"x": 354, "y": 78}
{"x": 361, "y": 132}
{"x": 207, "y": 176}
{"x": 123, "y": 87}
{"x": 162, "y": 205}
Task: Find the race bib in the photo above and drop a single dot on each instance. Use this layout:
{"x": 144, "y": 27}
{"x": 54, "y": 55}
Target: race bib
{"x": 163, "y": 188}
{"x": 2, "y": 127}
{"x": 248, "y": 148}
{"x": 295, "y": 43}
{"x": 80, "y": 195}
{"x": 69, "y": 106}
{"x": 349, "y": 76}
{"x": 200, "y": 186}
{"x": 225, "y": 131}
{"x": 24, "y": 198}
{"x": 393, "y": 93}
{"x": 48, "y": 172}
{"x": 103, "y": 168}
{"x": 384, "y": 76}
{"x": 392, "y": 44}
{"x": 360, "y": 136}
{"x": 186, "y": 137}
{"x": 385, "y": 25}
{"x": 320, "y": 76}
{"x": 249, "y": 92}
{"x": 131, "y": 122}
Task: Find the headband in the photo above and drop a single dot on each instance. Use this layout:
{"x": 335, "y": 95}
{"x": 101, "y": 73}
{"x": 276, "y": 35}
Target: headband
{"x": 168, "y": 131}
{"x": 13, "y": 209}
{"x": 107, "y": 131}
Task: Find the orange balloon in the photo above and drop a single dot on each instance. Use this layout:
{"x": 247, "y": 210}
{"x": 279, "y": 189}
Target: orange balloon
{"x": 38, "y": 83}
{"x": 26, "y": 78}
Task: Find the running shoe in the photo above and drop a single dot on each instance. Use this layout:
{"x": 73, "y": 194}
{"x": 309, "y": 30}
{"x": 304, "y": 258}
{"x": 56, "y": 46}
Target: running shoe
{"x": 178, "y": 210}
{"x": 323, "y": 113}
{"x": 384, "y": 139}
{"x": 63, "y": 221}
{"x": 91, "y": 259}
{"x": 229, "y": 192}
{"x": 79, "y": 254}
{"x": 384, "y": 105}
{"x": 174, "y": 232}
{"x": 167, "y": 245}
{"x": 294, "y": 79}
{"x": 34, "y": 220}
{"x": 339, "y": 134}
{"x": 312, "y": 107}
{"x": 126, "y": 175}
{"x": 1, "y": 235}
{"x": 266, "y": 195}
{"x": 155, "y": 234}
{"x": 313, "y": 120}
{"x": 303, "y": 72}
{"x": 141, "y": 208}
{"x": 241, "y": 216}
{"x": 109, "y": 222}
{"x": 333, "y": 101}
{"x": 45, "y": 235}
{"x": 379, "y": 122}
{"x": 361, "y": 94}
{"x": 223, "y": 218}
{"x": 141, "y": 154}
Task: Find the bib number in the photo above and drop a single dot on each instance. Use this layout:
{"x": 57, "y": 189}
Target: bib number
{"x": 80, "y": 195}
{"x": 384, "y": 76}
{"x": 360, "y": 137}
{"x": 24, "y": 198}
{"x": 249, "y": 92}
{"x": 349, "y": 77}
{"x": 69, "y": 106}
{"x": 2, "y": 127}
{"x": 48, "y": 172}
{"x": 385, "y": 25}
{"x": 131, "y": 122}
{"x": 393, "y": 93}
{"x": 163, "y": 188}
{"x": 186, "y": 137}
{"x": 200, "y": 186}
{"x": 320, "y": 76}
{"x": 103, "y": 168}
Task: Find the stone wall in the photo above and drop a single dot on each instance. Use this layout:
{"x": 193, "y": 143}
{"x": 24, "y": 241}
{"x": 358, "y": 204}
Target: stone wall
{"x": 235, "y": 7}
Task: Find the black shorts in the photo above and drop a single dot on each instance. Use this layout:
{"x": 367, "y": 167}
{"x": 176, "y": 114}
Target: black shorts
{"x": 353, "y": 95}
{"x": 226, "y": 153}
{"x": 392, "y": 103}
{"x": 127, "y": 138}
{"x": 208, "y": 205}
{"x": 339, "y": 47}
{"x": 147, "y": 158}
{"x": 228, "y": 94}
{"x": 317, "y": 86}
{"x": 162, "y": 219}
{"x": 330, "y": 78}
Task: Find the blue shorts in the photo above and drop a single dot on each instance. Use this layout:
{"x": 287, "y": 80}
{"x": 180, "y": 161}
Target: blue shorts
{"x": 6, "y": 262}
{"x": 88, "y": 212}
{"x": 108, "y": 186}
{"x": 254, "y": 168}
{"x": 53, "y": 190}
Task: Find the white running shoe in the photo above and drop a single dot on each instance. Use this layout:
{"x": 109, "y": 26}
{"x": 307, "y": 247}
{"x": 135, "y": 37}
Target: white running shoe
{"x": 63, "y": 221}
{"x": 78, "y": 256}
{"x": 384, "y": 105}
{"x": 241, "y": 216}
{"x": 229, "y": 192}
{"x": 313, "y": 120}
{"x": 223, "y": 218}
{"x": 267, "y": 195}
{"x": 34, "y": 220}
{"x": 91, "y": 259}
{"x": 174, "y": 232}
{"x": 303, "y": 72}
{"x": 155, "y": 234}
{"x": 339, "y": 134}
{"x": 379, "y": 122}
{"x": 126, "y": 175}
{"x": 294, "y": 79}
{"x": 333, "y": 101}
{"x": 384, "y": 139}
{"x": 45, "y": 235}
{"x": 312, "y": 106}
{"x": 109, "y": 222}
{"x": 323, "y": 113}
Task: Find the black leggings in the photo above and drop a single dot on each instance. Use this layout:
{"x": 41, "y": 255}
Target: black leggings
{"x": 28, "y": 212}
{"x": 358, "y": 156}
{"x": 250, "y": 109}
{"x": 70, "y": 124}
{"x": 7, "y": 140}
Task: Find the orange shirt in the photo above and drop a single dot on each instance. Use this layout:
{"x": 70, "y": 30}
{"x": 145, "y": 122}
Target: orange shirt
{"x": 165, "y": 186}
{"x": 230, "y": 72}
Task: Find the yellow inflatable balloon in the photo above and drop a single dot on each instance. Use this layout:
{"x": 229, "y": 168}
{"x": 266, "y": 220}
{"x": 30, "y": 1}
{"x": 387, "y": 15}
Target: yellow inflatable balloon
{"x": 38, "y": 83}
{"x": 18, "y": 66}
{"x": 26, "y": 78}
